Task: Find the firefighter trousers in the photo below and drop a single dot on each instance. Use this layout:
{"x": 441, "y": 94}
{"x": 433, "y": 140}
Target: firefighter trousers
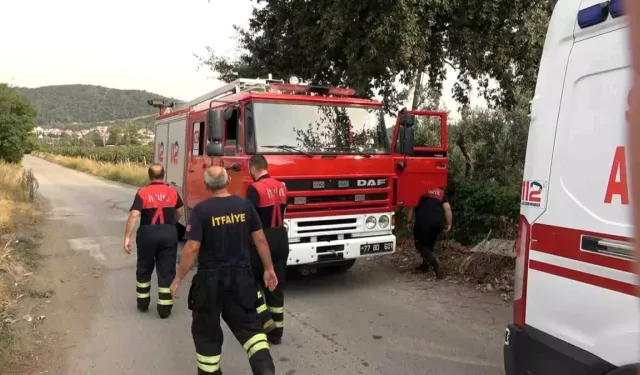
{"x": 425, "y": 236}
{"x": 157, "y": 248}
{"x": 270, "y": 304}
{"x": 230, "y": 293}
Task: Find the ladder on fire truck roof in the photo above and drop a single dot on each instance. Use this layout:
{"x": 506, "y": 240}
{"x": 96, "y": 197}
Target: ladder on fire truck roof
{"x": 240, "y": 84}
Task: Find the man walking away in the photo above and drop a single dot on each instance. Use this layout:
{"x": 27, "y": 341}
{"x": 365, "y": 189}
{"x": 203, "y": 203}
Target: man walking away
{"x": 269, "y": 197}
{"x": 159, "y": 207}
{"x": 432, "y": 216}
{"x": 219, "y": 234}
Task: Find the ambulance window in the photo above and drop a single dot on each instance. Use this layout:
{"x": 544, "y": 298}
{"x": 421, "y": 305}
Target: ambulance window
{"x": 231, "y": 131}
{"x": 197, "y": 139}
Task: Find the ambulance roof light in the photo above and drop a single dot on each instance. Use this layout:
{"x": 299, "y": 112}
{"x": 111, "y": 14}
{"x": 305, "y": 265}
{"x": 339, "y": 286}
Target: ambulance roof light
{"x": 593, "y": 15}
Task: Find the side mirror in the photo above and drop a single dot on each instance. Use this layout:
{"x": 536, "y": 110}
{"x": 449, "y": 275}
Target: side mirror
{"x": 406, "y": 140}
{"x": 214, "y": 149}
{"x": 215, "y": 123}
{"x": 228, "y": 113}
{"x": 408, "y": 120}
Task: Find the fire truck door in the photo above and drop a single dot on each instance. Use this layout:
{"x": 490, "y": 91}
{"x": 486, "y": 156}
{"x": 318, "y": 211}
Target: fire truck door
{"x": 160, "y": 152}
{"x": 423, "y": 166}
{"x": 176, "y": 153}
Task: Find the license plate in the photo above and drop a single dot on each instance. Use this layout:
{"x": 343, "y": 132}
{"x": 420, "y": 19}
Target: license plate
{"x": 372, "y": 248}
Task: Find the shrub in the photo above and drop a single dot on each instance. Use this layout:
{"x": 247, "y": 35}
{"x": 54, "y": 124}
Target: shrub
{"x": 120, "y": 154}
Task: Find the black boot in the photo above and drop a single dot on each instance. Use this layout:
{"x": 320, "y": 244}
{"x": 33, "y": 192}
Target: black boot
{"x": 424, "y": 267}
{"x": 439, "y": 274}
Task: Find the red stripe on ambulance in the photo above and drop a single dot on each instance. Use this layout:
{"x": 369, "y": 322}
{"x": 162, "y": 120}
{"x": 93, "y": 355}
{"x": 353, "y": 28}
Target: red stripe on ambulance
{"x": 565, "y": 242}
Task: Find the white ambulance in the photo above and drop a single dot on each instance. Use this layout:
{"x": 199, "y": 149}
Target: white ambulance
{"x": 575, "y": 304}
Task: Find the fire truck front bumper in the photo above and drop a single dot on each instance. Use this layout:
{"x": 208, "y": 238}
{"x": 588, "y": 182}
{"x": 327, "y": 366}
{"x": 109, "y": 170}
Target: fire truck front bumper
{"x": 338, "y": 250}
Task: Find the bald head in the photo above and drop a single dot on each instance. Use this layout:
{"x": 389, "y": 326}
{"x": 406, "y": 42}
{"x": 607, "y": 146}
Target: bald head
{"x": 216, "y": 178}
{"x": 156, "y": 172}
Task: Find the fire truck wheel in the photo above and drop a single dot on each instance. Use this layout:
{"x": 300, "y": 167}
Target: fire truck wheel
{"x": 343, "y": 266}
{"x": 625, "y": 370}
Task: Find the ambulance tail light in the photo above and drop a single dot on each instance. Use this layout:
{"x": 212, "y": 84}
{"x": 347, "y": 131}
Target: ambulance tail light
{"x": 522, "y": 260}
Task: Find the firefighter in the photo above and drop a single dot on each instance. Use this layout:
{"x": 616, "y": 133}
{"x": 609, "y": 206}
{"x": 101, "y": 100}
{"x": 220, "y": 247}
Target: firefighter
{"x": 269, "y": 197}
{"x": 432, "y": 216}
{"x": 159, "y": 207}
{"x": 219, "y": 234}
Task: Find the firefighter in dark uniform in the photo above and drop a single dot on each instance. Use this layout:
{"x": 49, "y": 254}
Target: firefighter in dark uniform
{"x": 269, "y": 197}
{"x": 219, "y": 234}
{"x": 159, "y": 207}
{"x": 432, "y": 216}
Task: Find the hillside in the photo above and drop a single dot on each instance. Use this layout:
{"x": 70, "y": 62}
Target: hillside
{"x": 67, "y": 104}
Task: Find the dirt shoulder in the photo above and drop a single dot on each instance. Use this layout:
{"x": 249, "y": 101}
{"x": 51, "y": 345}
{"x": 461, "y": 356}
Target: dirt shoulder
{"x": 45, "y": 291}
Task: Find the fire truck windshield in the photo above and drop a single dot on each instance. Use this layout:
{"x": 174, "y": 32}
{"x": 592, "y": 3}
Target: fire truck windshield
{"x": 320, "y": 128}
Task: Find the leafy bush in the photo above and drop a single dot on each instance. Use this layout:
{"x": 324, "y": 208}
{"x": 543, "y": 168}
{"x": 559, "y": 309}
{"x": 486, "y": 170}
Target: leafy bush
{"x": 133, "y": 154}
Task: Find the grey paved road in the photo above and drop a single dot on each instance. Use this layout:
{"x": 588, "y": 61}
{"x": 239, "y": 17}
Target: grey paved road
{"x": 371, "y": 320}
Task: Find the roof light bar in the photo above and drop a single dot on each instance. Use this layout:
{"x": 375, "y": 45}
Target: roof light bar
{"x": 616, "y": 8}
{"x": 593, "y": 15}
{"x": 301, "y": 89}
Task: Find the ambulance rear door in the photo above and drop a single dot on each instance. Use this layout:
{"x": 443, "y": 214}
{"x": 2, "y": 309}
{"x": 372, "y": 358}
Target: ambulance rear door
{"x": 580, "y": 285}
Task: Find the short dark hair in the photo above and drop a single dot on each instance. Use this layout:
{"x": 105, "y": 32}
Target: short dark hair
{"x": 155, "y": 171}
{"x": 259, "y": 162}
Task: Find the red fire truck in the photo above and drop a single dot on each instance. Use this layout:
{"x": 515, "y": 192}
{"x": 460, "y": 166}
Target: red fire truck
{"x": 346, "y": 171}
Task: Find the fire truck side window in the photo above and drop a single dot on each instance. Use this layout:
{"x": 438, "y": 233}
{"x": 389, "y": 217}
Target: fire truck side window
{"x": 231, "y": 131}
{"x": 198, "y": 140}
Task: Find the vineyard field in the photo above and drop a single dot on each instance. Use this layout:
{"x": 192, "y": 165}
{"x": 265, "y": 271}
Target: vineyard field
{"x": 120, "y": 154}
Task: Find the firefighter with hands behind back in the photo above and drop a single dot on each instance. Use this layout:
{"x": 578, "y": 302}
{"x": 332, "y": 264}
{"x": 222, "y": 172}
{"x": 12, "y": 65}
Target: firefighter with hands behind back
{"x": 269, "y": 197}
{"x": 432, "y": 216}
{"x": 219, "y": 233}
{"x": 159, "y": 207}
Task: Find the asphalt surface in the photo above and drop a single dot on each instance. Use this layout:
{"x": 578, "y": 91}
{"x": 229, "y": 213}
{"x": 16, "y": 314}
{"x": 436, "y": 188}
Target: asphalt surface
{"x": 371, "y": 320}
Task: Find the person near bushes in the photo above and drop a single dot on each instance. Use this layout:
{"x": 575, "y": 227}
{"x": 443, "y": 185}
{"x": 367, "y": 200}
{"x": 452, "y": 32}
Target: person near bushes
{"x": 430, "y": 217}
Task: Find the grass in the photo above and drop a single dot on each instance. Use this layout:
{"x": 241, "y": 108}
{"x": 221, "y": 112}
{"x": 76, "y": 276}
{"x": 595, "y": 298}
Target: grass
{"x": 17, "y": 213}
{"x": 128, "y": 173}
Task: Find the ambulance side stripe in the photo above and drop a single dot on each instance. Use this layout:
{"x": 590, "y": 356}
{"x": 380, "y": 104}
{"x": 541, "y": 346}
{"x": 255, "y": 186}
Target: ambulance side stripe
{"x": 565, "y": 242}
{"x": 603, "y": 277}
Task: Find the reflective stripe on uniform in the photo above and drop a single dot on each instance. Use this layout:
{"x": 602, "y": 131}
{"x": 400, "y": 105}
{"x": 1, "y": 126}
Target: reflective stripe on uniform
{"x": 259, "y": 294}
{"x": 262, "y": 308}
{"x": 256, "y": 343}
{"x": 208, "y": 363}
{"x": 164, "y": 290}
{"x": 165, "y": 302}
{"x": 279, "y": 324}
{"x": 276, "y": 310}
{"x": 143, "y": 295}
{"x": 143, "y": 285}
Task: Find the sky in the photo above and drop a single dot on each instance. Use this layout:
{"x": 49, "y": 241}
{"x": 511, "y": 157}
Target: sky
{"x": 125, "y": 44}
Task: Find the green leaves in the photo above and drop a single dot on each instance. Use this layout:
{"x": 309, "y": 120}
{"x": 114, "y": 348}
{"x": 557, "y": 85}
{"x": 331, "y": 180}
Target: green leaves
{"x": 369, "y": 44}
{"x": 122, "y": 154}
{"x": 17, "y": 119}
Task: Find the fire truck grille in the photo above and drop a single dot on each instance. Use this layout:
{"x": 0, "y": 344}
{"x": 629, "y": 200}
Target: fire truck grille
{"x": 337, "y": 198}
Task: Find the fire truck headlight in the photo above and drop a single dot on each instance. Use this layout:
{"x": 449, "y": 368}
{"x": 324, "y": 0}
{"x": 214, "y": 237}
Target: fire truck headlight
{"x": 383, "y": 221}
{"x": 370, "y": 223}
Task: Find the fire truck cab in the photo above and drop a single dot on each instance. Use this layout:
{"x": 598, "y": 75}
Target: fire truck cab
{"x": 575, "y": 304}
{"x": 345, "y": 169}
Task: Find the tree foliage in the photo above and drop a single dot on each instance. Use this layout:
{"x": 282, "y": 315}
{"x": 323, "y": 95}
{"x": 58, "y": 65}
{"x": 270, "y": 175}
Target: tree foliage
{"x": 368, "y": 44}
{"x": 66, "y": 104}
{"x": 17, "y": 119}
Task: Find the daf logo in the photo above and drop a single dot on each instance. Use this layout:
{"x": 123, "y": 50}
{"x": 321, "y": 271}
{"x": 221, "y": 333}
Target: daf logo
{"x": 372, "y": 182}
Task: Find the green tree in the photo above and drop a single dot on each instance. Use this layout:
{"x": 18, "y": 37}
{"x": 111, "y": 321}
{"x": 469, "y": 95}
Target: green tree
{"x": 369, "y": 44}
{"x": 17, "y": 119}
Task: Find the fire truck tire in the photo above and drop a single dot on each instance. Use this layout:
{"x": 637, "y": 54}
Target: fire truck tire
{"x": 343, "y": 266}
{"x": 625, "y": 370}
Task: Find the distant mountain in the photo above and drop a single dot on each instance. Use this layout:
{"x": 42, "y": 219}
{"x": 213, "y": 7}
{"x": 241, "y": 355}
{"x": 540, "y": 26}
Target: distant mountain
{"x": 66, "y": 104}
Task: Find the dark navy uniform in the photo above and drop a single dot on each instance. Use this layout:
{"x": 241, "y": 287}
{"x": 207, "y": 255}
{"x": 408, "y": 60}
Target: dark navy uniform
{"x": 429, "y": 223}
{"x": 269, "y": 197}
{"x": 157, "y": 243}
{"x": 224, "y": 283}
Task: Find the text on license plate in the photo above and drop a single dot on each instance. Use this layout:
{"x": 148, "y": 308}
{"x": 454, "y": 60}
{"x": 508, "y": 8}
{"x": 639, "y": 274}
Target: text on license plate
{"x": 372, "y": 248}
